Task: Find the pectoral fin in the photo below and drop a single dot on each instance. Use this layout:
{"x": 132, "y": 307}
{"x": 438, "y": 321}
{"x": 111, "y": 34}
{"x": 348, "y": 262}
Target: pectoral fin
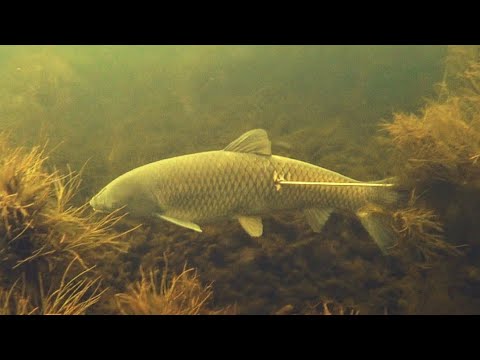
{"x": 317, "y": 217}
{"x": 183, "y": 223}
{"x": 252, "y": 225}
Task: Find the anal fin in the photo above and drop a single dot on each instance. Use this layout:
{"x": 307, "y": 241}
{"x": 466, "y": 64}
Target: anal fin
{"x": 252, "y": 225}
{"x": 182, "y": 223}
{"x": 317, "y": 217}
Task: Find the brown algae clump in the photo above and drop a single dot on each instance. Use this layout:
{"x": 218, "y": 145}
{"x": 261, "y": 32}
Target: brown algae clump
{"x": 322, "y": 307}
{"x": 438, "y": 157}
{"x": 443, "y": 142}
{"x": 13, "y": 302}
{"x": 42, "y": 234}
{"x": 182, "y": 295}
{"x": 329, "y": 307}
{"x": 438, "y": 153}
{"x": 422, "y": 234}
{"x": 74, "y": 295}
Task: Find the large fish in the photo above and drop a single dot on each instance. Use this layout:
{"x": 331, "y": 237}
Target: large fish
{"x": 245, "y": 181}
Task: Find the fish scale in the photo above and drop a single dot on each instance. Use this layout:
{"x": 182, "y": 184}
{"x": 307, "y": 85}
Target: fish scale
{"x": 207, "y": 186}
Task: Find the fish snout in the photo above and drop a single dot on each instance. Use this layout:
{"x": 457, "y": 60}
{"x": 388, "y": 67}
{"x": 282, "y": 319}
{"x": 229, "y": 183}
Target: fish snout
{"x": 97, "y": 202}
{"x": 93, "y": 203}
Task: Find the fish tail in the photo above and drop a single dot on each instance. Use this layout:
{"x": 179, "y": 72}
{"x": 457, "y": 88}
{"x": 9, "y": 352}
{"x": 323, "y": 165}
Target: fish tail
{"x": 376, "y": 220}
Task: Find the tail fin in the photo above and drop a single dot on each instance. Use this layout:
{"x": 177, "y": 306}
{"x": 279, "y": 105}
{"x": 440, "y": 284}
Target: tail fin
{"x": 379, "y": 227}
{"x": 376, "y": 221}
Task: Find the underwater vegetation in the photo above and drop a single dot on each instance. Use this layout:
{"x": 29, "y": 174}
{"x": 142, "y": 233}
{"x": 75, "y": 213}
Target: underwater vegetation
{"x": 442, "y": 142}
{"x": 437, "y": 153}
{"x": 322, "y": 307}
{"x": 421, "y": 232}
{"x": 72, "y": 297}
{"x": 437, "y": 150}
{"x": 440, "y": 145}
{"x": 47, "y": 246}
{"x": 12, "y": 303}
{"x": 182, "y": 294}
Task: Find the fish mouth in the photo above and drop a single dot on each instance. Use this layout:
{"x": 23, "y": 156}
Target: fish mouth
{"x": 93, "y": 200}
{"x": 97, "y": 210}
{"x": 91, "y": 203}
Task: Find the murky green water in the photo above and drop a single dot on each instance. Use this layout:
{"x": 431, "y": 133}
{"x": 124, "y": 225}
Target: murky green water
{"x": 119, "y": 107}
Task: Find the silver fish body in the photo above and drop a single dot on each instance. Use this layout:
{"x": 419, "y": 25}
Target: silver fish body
{"x": 214, "y": 185}
{"x": 242, "y": 182}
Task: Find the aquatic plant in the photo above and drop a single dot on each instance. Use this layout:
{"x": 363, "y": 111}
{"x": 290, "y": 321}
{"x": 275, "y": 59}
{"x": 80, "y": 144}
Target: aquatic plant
{"x": 322, "y": 307}
{"x": 13, "y": 302}
{"x": 330, "y": 307}
{"x": 73, "y": 295}
{"x": 41, "y": 232}
{"x": 421, "y": 232}
{"x": 457, "y": 62}
{"x": 442, "y": 143}
{"x": 183, "y": 294}
{"x": 438, "y": 153}
{"x": 38, "y": 221}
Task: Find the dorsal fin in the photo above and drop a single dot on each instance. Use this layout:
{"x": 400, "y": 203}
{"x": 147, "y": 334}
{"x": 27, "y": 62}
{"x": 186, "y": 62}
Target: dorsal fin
{"x": 254, "y": 141}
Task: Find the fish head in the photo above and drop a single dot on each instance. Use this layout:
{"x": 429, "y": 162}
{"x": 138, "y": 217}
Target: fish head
{"x": 105, "y": 200}
{"x": 125, "y": 193}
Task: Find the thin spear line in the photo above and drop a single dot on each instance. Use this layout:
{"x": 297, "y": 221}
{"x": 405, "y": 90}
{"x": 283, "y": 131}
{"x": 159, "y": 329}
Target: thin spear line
{"x": 326, "y": 183}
